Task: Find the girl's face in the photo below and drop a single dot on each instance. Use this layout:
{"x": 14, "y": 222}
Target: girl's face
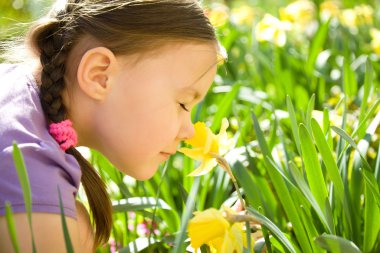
{"x": 147, "y": 112}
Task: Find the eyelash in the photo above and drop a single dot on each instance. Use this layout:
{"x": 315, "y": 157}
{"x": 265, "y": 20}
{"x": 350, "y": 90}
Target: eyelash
{"x": 183, "y": 107}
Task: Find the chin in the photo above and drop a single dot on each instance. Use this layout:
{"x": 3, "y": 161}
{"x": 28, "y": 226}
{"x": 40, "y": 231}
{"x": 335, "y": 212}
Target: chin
{"x": 139, "y": 173}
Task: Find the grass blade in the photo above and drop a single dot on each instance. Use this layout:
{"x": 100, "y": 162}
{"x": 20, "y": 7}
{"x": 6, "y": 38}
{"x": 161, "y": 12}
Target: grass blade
{"x": 138, "y": 203}
{"x": 190, "y": 204}
{"x": 11, "y": 227}
{"x": 335, "y": 243}
{"x": 371, "y": 184}
{"x": 349, "y": 80}
{"x": 24, "y": 179}
{"x": 316, "y": 46}
{"x": 347, "y": 138}
{"x": 312, "y": 167}
{"x": 309, "y": 111}
{"x": 294, "y": 124}
{"x": 282, "y": 190}
{"x": 224, "y": 107}
{"x": 69, "y": 246}
{"x": 328, "y": 158}
{"x": 371, "y": 213}
{"x": 307, "y": 193}
{"x": 273, "y": 228}
{"x": 367, "y": 87}
{"x": 25, "y": 186}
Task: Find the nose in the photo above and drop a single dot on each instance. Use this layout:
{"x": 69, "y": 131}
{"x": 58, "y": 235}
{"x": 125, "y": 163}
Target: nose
{"x": 187, "y": 130}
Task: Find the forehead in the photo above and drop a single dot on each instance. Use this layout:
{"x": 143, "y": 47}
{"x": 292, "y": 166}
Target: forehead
{"x": 186, "y": 62}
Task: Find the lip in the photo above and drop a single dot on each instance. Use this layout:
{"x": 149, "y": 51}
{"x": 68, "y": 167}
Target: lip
{"x": 165, "y": 154}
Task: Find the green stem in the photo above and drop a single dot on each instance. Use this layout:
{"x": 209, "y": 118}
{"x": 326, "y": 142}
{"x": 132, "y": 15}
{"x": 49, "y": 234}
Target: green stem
{"x": 224, "y": 164}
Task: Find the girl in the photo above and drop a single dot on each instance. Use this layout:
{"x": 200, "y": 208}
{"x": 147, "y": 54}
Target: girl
{"x": 117, "y": 76}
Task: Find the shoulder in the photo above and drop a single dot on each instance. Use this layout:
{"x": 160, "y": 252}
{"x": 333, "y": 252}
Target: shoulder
{"x": 47, "y": 232}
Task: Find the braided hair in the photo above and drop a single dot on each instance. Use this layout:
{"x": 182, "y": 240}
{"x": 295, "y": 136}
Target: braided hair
{"x": 139, "y": 26}
{"x": 54, "y": 42}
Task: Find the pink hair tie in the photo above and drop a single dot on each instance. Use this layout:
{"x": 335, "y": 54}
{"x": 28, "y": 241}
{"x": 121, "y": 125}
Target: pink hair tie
{"x": 64, "y": 134}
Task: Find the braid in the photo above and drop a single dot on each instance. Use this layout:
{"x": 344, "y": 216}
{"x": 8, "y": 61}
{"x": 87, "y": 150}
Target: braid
{"x": 52, "y": 57}
{"x": 54, "y": 43}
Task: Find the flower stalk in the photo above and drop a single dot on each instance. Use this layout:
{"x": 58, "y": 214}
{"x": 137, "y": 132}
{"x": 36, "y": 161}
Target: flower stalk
{"x": 226, "y": 167}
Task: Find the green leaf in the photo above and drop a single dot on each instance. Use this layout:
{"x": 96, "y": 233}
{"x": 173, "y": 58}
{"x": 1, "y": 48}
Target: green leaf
{"x": 309, "y": 111}
{"x": 224, "y": 107}
{"x": 335, "y": 243}
{"x": 317, "y": 46}
{"x": 328, "y": 158}
{"x": 260, "y": 137}
{"x": 24, "y": 179}
{"x": 307, "y": 193}
{"x": 326, "y": 128}
{"x": 282, "y": 190}
{"x": 372, "y": 184}
{"x": 138, "y": 203}
{"x": 288, "y": 202}
{"x": 345, "y": 136}
{"x": 25, "y": 186}
{"x": 186, "y": 215}
{"x": 371, "y": 212}
{"x": 312, "y": 167}
{"x": 360, "y": 130}
{"x": 138, "y": 245}
{"x": 11, "y": 227}
{"x": 276, "y": 232}
{"x": 294, "y": 124}
{"x": 368, "y": 81}
{"x": 69, "y": 246}
{"x": 350, "y": 85}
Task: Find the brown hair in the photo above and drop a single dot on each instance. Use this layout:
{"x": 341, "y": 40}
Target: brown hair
{"x": 123, "y": 26}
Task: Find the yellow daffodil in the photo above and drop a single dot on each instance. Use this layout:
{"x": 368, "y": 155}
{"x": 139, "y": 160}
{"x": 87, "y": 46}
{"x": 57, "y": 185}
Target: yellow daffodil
{"x": 212, "y": 228}
{"x": 218, "y": 14}
{"x": 359, "y": 15}
{"x": 375, "y": 42}
{"x": 242, "y": 15}
{"x": 329, "y": 9}
{"x": 348, "y": 18}
{"x": 271, "y": 29}
{"x": 206, "y": 146}
{"x": 364, "y": 14}
{"x": 299, "y": 13}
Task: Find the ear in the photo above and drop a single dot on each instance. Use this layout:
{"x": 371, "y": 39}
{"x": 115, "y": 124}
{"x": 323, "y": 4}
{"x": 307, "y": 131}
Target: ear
{"x": 94, "y": 70}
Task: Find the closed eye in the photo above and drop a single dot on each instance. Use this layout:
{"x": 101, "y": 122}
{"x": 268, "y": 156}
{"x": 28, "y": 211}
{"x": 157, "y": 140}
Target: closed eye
{"x": 183, "y": 107}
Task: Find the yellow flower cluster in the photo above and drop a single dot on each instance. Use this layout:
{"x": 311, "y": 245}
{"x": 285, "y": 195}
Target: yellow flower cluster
{"x": 206, "y": 146}
{"x": 329, "y": 9}
{"x": 271, "y": 29}
{"x": 375, "y": 43}
{"x": 295, "y": 16}
{"x": 242, "y": 15}
{"x": 212, "y": 228}
{"x": 359, "y": 15}
{"x": 299, "y": 13}
{"x": 219, "y": 14}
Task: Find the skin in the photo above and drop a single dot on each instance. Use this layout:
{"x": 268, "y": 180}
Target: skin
{"x": 135, "y": 110}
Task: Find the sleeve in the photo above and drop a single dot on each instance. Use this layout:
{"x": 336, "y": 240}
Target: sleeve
{"x": 48, "y": 169}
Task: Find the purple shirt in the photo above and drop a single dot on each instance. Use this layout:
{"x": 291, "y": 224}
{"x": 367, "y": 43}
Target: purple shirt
{"x": 22, "y": 120}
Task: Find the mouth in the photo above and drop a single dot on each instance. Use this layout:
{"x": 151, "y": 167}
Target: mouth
{"x": 165, "y": 154}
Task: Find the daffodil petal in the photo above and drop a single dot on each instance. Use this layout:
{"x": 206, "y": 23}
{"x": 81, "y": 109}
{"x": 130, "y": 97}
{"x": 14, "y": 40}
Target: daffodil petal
{"x": 209, "y": 140}
{"x": 206, "y": 226}
{"x": 224, "y": 126}
{"x": 200, "y": 135}
{"x": 206, "y": 166}
{"x": 195, "y": 153}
